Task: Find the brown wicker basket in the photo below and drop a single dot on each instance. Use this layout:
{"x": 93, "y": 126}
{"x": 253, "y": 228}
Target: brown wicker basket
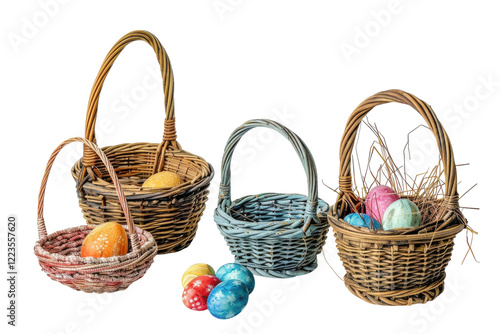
{"x": 59, "y": 253}
{"x": 404, "y": 266}
{"x": 172, "y": 214}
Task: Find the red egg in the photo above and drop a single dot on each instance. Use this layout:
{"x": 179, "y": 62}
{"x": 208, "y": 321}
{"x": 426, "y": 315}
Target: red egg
{"x": 196, "y": 293}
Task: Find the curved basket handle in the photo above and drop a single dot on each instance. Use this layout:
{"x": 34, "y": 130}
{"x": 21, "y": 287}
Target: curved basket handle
{"x": 443, "y": 142}
{"x": 299, "y": 146}
{"x": 42, "y": 231}
{"x": 169, "y": 135}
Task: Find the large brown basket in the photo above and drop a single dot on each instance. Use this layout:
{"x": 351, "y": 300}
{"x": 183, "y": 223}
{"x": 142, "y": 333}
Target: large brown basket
{"x": 399, "y": 267}
{"x": 59, "y": 253}
{"x": 172, "y": 214}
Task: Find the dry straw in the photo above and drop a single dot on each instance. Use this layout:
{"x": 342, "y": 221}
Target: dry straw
{"x": 59, "y": 253}
{"x": 401, "y": 266}
{"x": 172, "y": 214}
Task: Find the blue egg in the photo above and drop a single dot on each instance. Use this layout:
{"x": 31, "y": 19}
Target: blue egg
{"x": 231, "y": 271}
{"x": 362, "y": 219}
{"x": 227, "y": 299}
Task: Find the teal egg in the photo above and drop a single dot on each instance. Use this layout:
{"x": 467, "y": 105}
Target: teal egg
{"x": 227, "y": 299}
{"x": 401, "y": 213}
{"x": 361, "y": 219}
{"x": 231, "y": 271}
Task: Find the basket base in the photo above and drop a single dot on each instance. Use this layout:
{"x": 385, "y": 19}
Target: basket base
{"x": 420, "y": 295}
{"x": 93, "y": 285}
{"x": 276, "y": 273}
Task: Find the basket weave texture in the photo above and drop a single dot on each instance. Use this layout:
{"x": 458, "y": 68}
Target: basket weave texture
{"x": 273, "y": 235}
{"x": 170, "y": 214}
{"x": 402, "y": 266}
{"x": 59, "y": 253}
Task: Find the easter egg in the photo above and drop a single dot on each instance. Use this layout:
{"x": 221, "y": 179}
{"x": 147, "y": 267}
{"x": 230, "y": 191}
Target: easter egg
{"x": 401, "y": 213}
{"x": 105, "y": 240}
{"x": 362, "y": 219}
{"x": 196, "y": 293}
{"x": 198, "y": 269}
{"x": 378, "y": 200}
{"x": 232, "y": 271}
{"x": 228, "y": 299}
{"x": 162, "y": 180}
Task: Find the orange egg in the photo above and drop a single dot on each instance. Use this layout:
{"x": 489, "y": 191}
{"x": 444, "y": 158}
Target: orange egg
{"x": 105, "y": 240}
{"x": 163, "y": 180}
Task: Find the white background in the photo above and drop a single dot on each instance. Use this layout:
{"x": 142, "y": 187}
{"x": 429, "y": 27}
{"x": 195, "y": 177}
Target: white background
{"x": 236, "y": 60}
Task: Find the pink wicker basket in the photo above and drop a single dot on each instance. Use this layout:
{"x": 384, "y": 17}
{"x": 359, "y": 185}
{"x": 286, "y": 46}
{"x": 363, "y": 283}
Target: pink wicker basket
{"x": 59, "y": 253}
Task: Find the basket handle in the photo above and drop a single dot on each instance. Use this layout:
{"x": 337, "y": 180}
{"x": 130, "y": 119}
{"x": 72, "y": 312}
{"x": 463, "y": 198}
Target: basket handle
{"x": 299, "y": 146}
{"x": 349, "y": 136}
{"x": 42, "y": 231}
{"x": 169, "y": 135}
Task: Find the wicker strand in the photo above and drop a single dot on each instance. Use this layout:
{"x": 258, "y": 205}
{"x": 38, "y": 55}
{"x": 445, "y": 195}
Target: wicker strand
{"x": 345, "y": 183}
{"x": 169, "y": 133}
{"x": 42, "y": 230}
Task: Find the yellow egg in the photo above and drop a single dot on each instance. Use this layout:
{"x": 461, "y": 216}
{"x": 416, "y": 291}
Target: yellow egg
{"x": 196, "y": 270}
{"x": 162, "y": 180}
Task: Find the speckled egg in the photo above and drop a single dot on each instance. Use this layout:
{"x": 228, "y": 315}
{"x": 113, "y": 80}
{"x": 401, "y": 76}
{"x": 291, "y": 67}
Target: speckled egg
{"x": 196, "y": 293}
{"x": 362, "y": 219}
{"x": 401, "y": 213}
{"x": 228, "y": 299}
{"x": 378, "y": 200}
{"x": 231, "y": 271}
{"x": 163, "y": 180}
{"x": 198, "y": 269}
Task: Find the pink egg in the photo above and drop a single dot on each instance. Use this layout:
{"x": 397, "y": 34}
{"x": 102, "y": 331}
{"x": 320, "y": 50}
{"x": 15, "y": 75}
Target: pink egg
{"x": 378, "y": 200}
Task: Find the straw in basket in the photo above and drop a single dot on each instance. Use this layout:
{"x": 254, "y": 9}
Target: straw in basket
{"x": 59, "y": 253}
{"x": 273, "y": 235}
{"x": 170, "y": 214}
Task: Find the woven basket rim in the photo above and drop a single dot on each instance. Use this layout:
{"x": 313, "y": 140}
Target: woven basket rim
{"x": 40, "y": 252}
{"x": 321, "y": 203}
{"x": 246, "y": 225}
{"x": 338, "y": 224}
{"x": 107, "y": 188}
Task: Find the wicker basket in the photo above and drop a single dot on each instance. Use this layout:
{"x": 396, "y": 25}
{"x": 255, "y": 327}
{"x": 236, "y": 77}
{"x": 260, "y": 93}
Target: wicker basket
{"x": 399, "y": 267}
{"x": 172, "y": 214}
{"x": 59, "y": 253}
{"x": 273, "y": 235}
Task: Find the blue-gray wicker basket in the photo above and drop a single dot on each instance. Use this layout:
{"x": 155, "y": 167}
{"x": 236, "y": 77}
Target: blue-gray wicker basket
{"x": 273, "y": 235}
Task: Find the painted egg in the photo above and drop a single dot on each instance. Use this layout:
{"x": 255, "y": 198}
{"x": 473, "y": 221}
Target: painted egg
{"x": 196, "y": 293}
{"x": 228, "y": 299}
{"x": 402, "y": 213}
{"x": 362, "y": 219}
{"x": 163, "y": 180}
{"x": 231, "y": 271}
{"x": 198, "y": 269}
{"x": 105, "y": 240}
{"x": 378, "y": 200}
